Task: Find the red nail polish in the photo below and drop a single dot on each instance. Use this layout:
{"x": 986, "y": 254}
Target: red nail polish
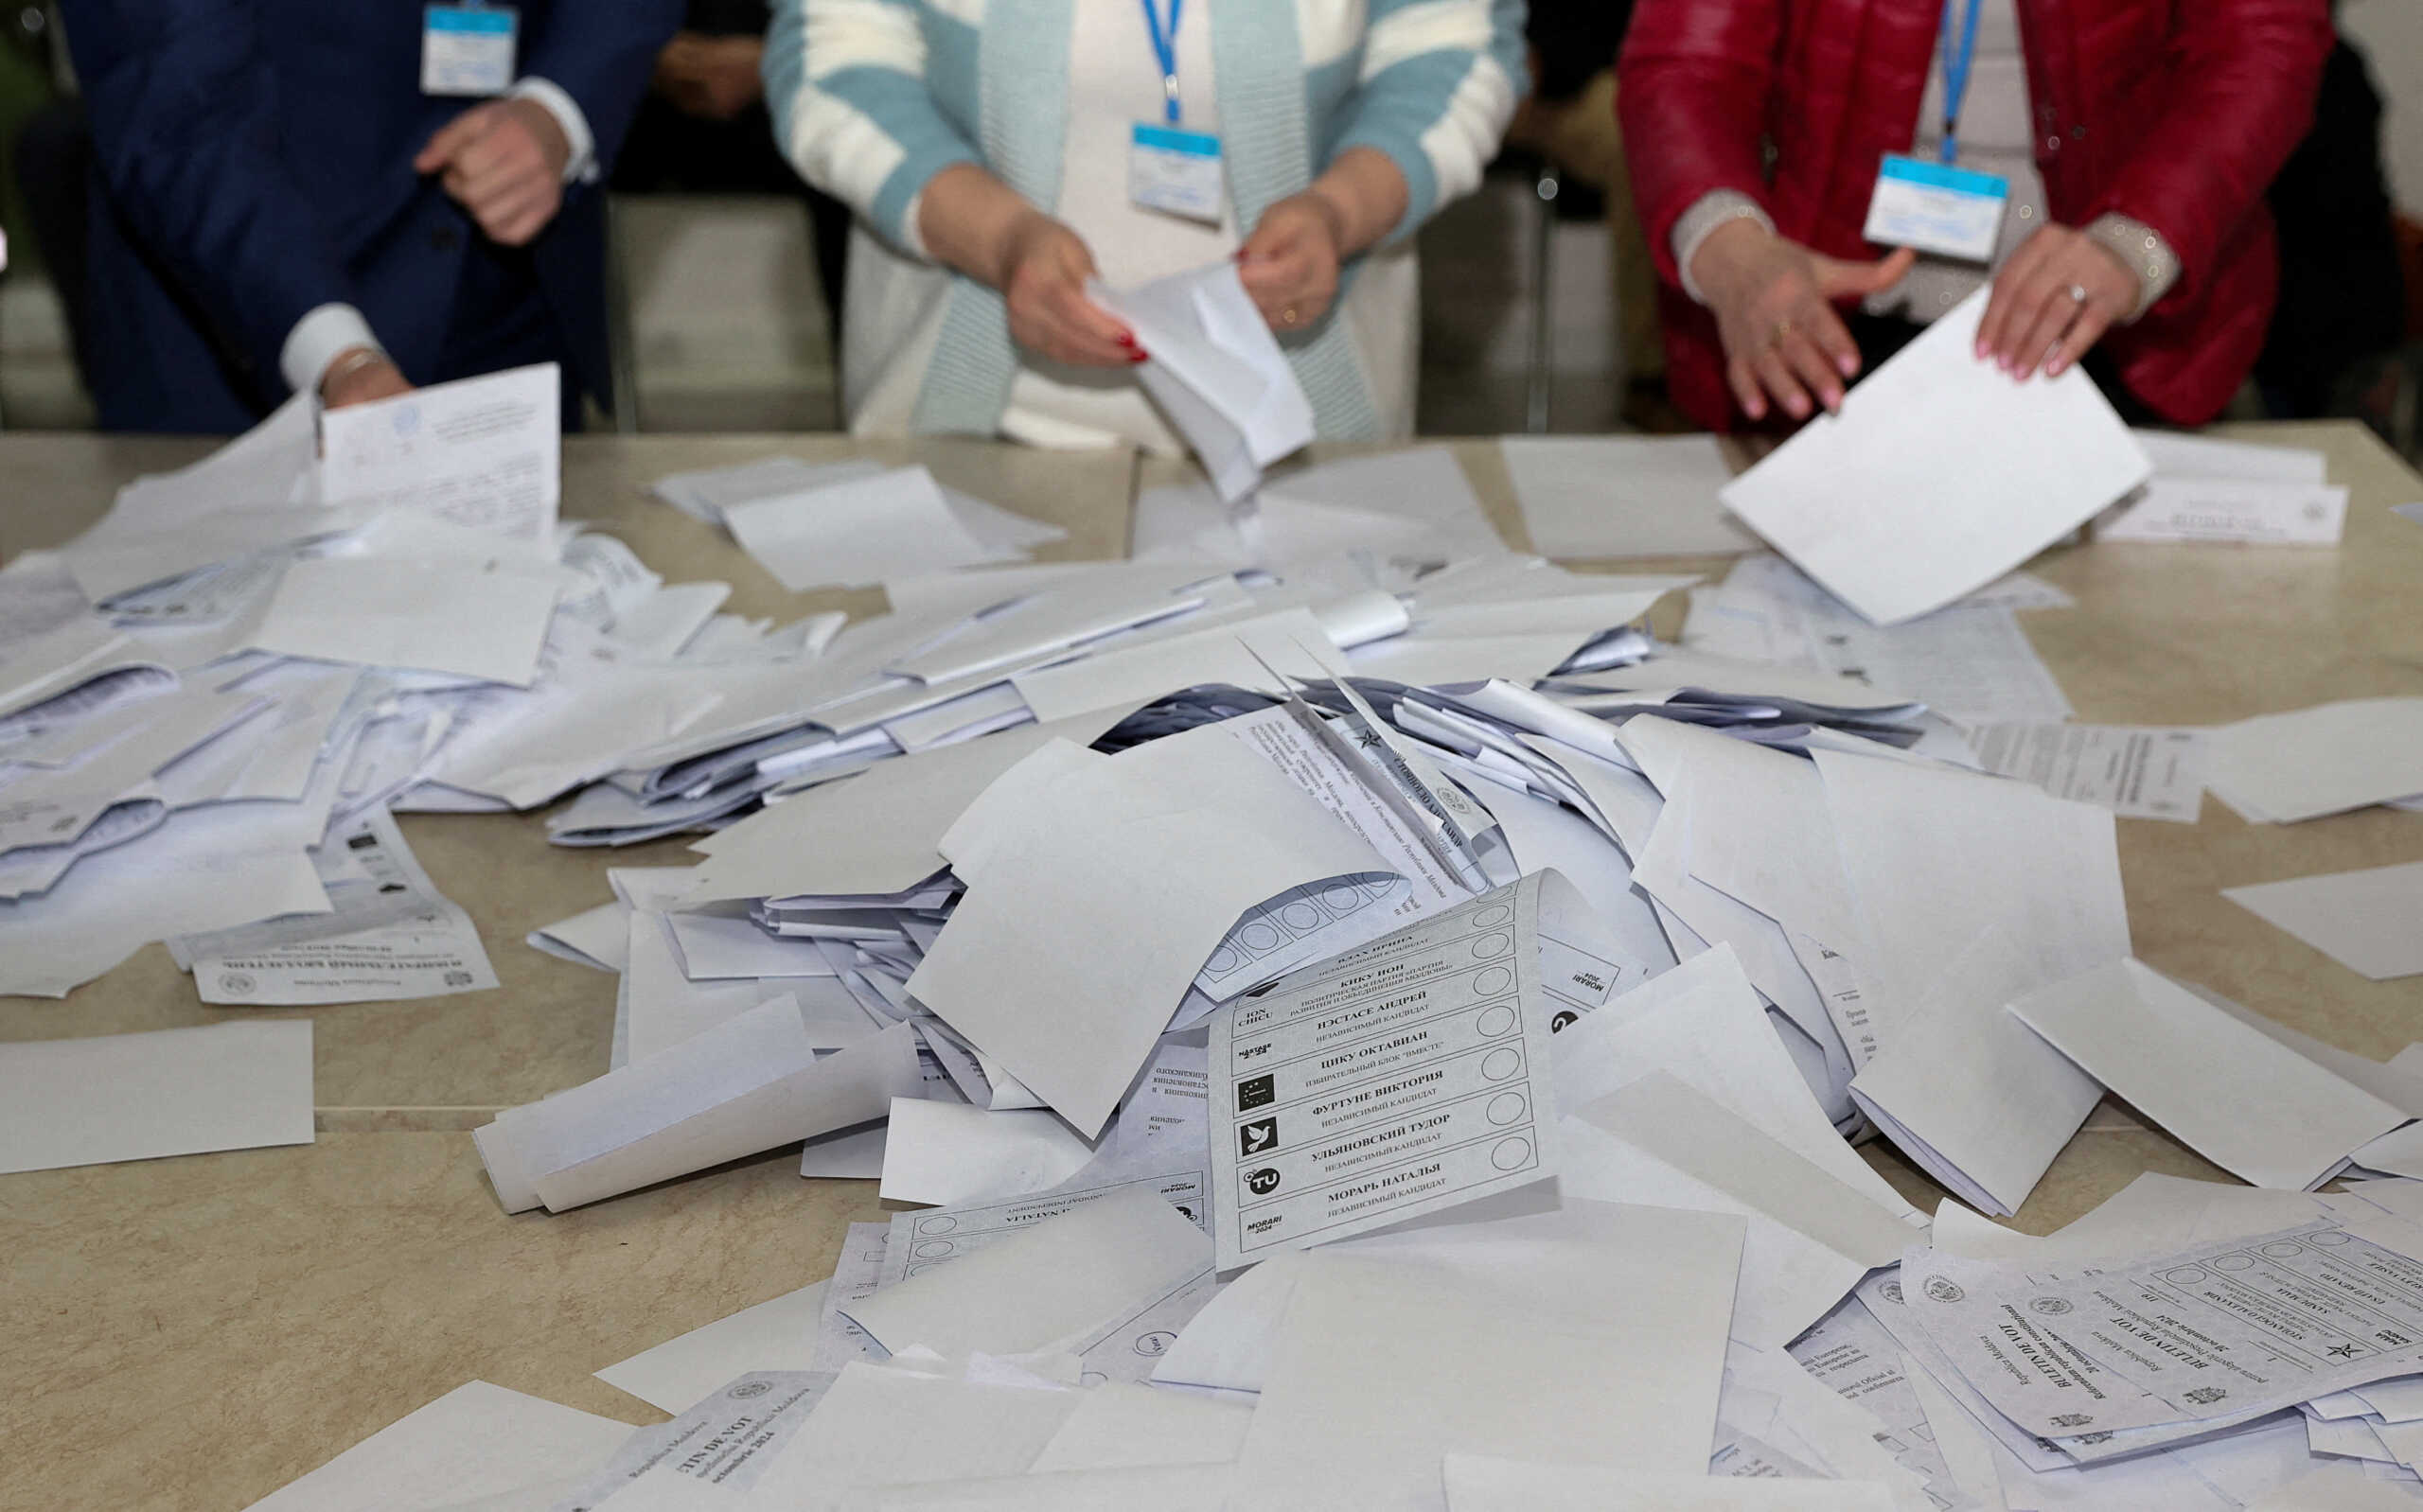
{"x": 1134, "y": 357}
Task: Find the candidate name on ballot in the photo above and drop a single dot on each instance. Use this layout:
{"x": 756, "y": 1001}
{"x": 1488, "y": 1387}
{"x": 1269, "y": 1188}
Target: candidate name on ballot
{"x": 1390, "y": 1081}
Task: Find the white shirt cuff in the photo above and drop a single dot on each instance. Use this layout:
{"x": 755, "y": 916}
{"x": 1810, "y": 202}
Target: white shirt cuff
{"x": 581, "y": 167}
{"x": 316, "y": 339}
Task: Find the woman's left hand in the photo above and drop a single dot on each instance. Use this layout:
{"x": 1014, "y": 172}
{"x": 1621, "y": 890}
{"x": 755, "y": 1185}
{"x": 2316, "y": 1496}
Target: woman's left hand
{"x": 2053, "y": 301}
{"x": 1289, "y": 265}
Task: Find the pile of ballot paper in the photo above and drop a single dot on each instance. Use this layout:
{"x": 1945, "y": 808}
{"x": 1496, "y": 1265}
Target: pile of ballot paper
{"x": 1363, "y": 1023}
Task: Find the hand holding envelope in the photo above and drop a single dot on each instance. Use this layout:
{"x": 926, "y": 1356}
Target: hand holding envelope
{"x": 1217, "y": 371}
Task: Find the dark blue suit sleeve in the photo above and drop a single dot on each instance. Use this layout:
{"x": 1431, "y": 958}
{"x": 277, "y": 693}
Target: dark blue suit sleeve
{"x": 601, "y": 53}
{"x": 185, "y": 127}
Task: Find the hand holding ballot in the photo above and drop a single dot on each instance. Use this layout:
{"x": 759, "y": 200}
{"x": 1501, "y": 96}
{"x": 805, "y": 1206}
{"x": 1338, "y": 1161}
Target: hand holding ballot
{"x": 2053, "y": 301}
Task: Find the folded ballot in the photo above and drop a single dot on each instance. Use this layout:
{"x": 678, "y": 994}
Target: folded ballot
{"x": 1216, "y": 372}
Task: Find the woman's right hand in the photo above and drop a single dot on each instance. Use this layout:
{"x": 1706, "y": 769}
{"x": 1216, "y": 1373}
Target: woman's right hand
{"x": 1774, "y": 304}
{"x": 1045, "y": 267}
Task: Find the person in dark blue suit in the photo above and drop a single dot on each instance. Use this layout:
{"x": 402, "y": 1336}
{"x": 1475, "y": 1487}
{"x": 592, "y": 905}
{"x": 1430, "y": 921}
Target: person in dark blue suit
{"x": 279, "y": 205}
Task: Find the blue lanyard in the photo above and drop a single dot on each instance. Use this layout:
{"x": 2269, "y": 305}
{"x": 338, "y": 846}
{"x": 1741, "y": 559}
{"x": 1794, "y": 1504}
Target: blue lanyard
{"x": 1955, "y": 73}
{"x": 1165, "y": 50}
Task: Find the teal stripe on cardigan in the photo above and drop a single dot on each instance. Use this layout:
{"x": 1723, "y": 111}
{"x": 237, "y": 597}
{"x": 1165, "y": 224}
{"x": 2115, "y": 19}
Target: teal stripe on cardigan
{"x": 1258, "y": 68}
{"x": 1022, "y": 79}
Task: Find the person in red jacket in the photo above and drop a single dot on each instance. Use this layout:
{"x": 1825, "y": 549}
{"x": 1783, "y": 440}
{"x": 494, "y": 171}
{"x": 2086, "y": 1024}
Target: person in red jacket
{"x": 2137, "y": 138}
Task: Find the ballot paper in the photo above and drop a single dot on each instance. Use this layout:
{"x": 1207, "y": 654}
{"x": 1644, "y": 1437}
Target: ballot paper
{"x": 1311, "y": 923}
{"x": 1982, "y": 1104}
{"x": 476, "y": 619}
{"x": 1216, "y": 372}
{"x": 752, "y": 1083}
{"x": 2365, "y": 921}
{"x": 1850, "y": 1354}
{"x": 1111, "y": 880}
{"x": 2138, "y": 774}
{"x": 713, "y": 1453}
{"x": 171, "y": 1092}
{"x": 869, "y": 1429}
{"x": 1811, "y": 1238}
{"x": 1397, "y": 1079}
{"x": 389, "y": 934}
{"x": 1257, "y": 654}
{"x": 1164, "y": 1488}
{"x": 948, "y": 1154}
{"x": 707, "y": 493}
{"x": 1468, "y": 1370}
{"x": 1054, "y": 1286}
{"x": 477, "y": 1446}
{"x": 1189, "y": 522}
{"x": 1703, "y": 1023}
{"x": 1970, "y": 661}
{"x": 2282, "y": 768}
{"x": 2187, "y": 454}
{"x": 2250, "y": 1104}
{"x": 1120, "y": 1424}
{"x": 485, "y": 453}
{"x": 1126, "y": 1341}
{"x": 1478, "y": 1483}
{"x": 878, "y": 833}
{"x": 1623, "y": 496}
{"x": 1423, "y": 483}
{"x": 859, "y": 531}
{"x": 204, "y": 868}
{"x": 1940, "y": 473}
{"x": 2221, "y": 1332}
{"x": 2245, "y": 510}
{"x": 776, "y": 1334}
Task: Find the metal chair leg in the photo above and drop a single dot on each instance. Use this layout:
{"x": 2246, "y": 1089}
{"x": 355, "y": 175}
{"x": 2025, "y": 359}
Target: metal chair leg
{"x": 1546, "y": 187}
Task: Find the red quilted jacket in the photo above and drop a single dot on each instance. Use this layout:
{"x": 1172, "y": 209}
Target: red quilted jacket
{"x": 2175, "y": 112}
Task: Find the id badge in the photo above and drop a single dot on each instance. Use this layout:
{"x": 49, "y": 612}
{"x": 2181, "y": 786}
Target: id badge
{"x": 468, "y": 50}
{"x": 1934, "y": 207}
{"x": 1175, "y": 171}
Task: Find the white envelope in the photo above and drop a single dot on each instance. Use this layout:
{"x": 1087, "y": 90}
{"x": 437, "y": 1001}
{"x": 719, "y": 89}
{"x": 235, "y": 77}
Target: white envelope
{"x": 1217, "y": 371}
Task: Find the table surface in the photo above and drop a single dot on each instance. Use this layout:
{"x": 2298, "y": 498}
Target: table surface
{"x": 194, "y": 1332}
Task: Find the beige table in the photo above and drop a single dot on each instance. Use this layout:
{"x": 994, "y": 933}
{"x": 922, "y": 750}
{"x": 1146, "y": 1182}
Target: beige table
{"x": 194, "y": 1332}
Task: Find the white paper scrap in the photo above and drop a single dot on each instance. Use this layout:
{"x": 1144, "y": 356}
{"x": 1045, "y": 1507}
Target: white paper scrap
{"x": 477, "y": 1446}
{"x": 2366, "y": 921}
{"x": 169, "y": 1092}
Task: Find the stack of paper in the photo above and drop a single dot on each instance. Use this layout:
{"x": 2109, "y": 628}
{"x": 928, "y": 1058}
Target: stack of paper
{"x": 2205, "y": 489}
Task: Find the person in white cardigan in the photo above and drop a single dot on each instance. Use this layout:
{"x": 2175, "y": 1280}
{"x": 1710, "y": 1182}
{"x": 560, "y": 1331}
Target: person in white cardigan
{"x": 985, "y": 145}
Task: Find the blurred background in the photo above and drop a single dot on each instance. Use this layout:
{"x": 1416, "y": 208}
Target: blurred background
{"x": 1534, "y": 294}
